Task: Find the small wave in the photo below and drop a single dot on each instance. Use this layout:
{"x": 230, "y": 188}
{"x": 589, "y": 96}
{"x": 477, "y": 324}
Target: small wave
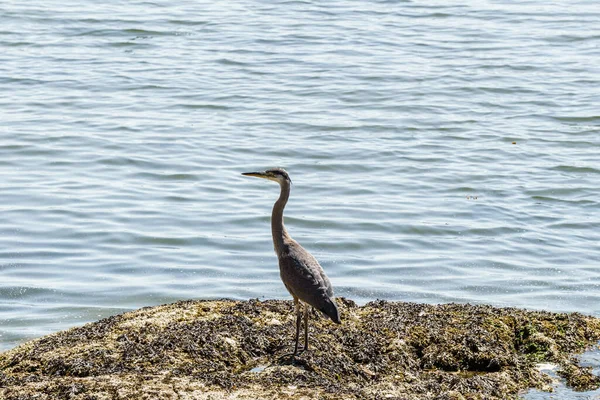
{"x": 571, "y": 168}
{"x": 167, "y": 177}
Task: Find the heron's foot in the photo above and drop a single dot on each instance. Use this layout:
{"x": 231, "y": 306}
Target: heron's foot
{"x": 289, "y": 358}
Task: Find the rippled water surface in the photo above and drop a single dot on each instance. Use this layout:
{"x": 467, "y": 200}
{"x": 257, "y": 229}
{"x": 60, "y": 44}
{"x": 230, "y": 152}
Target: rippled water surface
{"x": 440, "y": 151}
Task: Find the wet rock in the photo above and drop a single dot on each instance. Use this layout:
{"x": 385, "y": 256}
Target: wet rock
{"x": 236, "y": 349}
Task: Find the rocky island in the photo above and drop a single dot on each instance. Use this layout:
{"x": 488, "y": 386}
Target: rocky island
{"x": 224, "y": 349}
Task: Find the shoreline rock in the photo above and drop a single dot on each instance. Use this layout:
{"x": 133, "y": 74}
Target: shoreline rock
{"x": 224, "y": 349}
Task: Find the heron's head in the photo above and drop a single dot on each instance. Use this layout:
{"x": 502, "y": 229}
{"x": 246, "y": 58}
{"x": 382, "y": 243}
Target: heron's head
{"x": 278, "y": 175}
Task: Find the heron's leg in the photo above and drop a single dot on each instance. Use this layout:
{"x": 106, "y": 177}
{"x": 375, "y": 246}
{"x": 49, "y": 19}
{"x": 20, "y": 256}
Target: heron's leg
{"x": 306, "y": 310}
{"x": 298, "y": 320}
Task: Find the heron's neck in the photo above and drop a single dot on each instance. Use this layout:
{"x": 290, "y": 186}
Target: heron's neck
{"x": 277, "y": 228}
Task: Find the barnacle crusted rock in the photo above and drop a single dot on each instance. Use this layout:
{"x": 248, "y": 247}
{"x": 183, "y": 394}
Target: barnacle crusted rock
{"x": 225, "y": 349}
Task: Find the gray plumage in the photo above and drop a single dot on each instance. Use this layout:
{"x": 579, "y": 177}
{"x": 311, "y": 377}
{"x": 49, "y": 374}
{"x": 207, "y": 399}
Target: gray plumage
{"x": 299, "y": 270}
{"x": 305, "y": 279}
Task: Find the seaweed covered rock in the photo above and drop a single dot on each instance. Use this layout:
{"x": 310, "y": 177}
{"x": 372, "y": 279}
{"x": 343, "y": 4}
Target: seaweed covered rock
{"x": 237, "y": 349}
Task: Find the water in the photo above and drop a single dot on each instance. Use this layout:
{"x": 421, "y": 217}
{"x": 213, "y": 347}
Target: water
{"x": 440, "y": 152}
{"x": 560, "y": 390}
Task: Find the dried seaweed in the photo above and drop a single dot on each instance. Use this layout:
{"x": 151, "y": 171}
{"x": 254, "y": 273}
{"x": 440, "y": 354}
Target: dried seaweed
{"x": 211, "y": 349}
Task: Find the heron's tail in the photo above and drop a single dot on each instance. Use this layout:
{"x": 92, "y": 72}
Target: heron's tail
{"x": 330, "y": 309}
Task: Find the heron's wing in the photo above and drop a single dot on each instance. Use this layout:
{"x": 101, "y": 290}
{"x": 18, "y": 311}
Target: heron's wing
{"x": 304, "y": 277}
{"x": 327, "y": 283}
{"x": 313, "y": 265}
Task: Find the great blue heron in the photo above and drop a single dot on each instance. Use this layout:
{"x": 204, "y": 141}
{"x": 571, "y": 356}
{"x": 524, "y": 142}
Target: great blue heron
{"x": 299, "y": 270}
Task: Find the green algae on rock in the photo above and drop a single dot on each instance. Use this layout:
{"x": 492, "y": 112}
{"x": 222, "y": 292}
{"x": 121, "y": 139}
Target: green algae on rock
{"x": 233, "y": 349}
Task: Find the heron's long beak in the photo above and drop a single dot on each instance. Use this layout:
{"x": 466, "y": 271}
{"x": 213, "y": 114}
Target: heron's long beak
{"x": 256, "y": 174}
